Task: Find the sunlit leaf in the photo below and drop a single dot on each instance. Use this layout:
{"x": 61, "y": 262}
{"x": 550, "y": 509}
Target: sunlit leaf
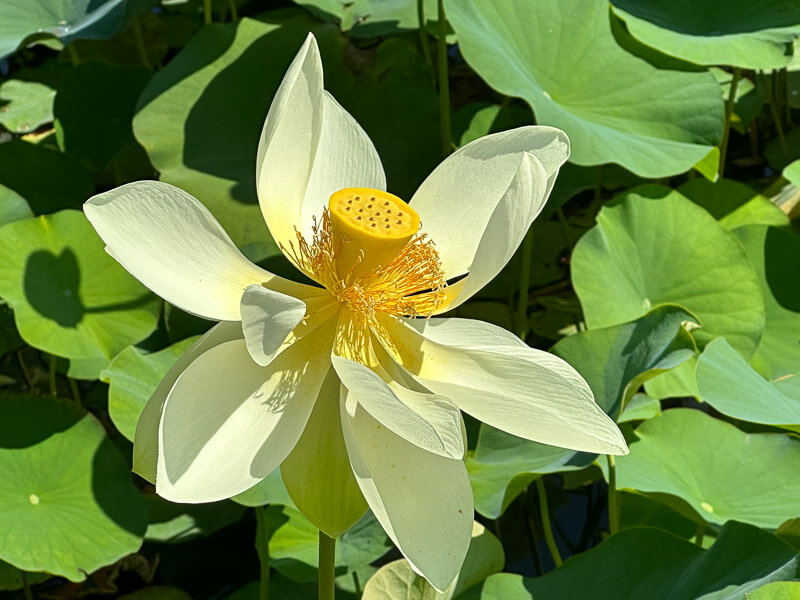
{"x": 60, "y": 473}
{"x": 614, "y": 106}
{"x": 69, "y": 297}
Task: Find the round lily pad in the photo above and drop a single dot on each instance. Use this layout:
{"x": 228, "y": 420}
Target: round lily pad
{"x": 25, "y": 105}
{"x": 614, "y": 106}
{"x": 69, "y": 297}
{"x": 69, "y": 506}
{"x": 721, "y": 472}
{"x": 645, "y": 252}
{"x": 752, "y": 34}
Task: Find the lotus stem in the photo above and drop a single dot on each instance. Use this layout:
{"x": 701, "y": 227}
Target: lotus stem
{"x": 613, "y": 496}
{"x": 726, "y": 130}
{"x": 207, "y": 11}
{"x": 262, "y": 549}
{"x": 327, "y": 564}
{"x": 444, "y": 84}
{"x": 423, "y": 38}
{"x": 544, "y": 511}
{"x": 52, "y": 376}
{"x": 141, "y": 48}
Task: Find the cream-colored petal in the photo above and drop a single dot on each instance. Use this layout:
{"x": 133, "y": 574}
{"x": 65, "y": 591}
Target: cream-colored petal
{"x": 317, "y": 472}
{"x": 465, "y": 332}
{"x": 145, "y": 445}
{"x": 526, "y": 392}
{"x": 478, "y": 204}
{"x": 228, "y": 422}
{"x": 310, "y": 147}
{"x": 431, "y": 422}
{"x": 171, "y": 243}
{"x": 268, "y": 317}
{"x": 422, "y": 500}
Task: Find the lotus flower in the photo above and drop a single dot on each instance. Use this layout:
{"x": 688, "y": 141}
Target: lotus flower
{"x": 354, "y": 386}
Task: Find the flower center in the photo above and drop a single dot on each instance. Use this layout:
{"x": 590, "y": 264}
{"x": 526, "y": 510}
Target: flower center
{"x": 366, "y": 250}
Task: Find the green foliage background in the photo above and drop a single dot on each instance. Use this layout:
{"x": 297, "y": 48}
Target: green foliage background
{"x": 665, "y": 268}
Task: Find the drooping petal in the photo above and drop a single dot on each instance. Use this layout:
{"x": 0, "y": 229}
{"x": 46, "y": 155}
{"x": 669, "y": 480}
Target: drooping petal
{"x": 317, "y": 472}
{"x": 145, "y": 445}
{"x": 431, "y": 422}
{"x": 479, "y": 203}
{"x": 171, "y": 243}
{"x": 526, "y": 392}
{"x": 228, "y": 422}
{"x": 310, "y": 147}
{"x": 267, "y": 318}
{"x": 422, "y": 500}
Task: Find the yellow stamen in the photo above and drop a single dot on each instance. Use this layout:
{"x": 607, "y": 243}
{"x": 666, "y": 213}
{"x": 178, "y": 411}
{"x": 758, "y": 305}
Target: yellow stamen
{"x": 410, "y": 282}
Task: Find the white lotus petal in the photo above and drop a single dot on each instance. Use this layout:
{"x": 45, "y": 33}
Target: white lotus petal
{"x": 228, "y": 422}
{"x": 431, "y": 422}
{"x": 171, "y": 243}
{"x": 422, "y": 500}
{"x": 465, "y": 332}
{"x": 145, "y": 445}
{"x": 310, "y": 147}
{"x": 267, "y": 318}
{"x": 479, "y": 203}
{"x": 526, "y": 392}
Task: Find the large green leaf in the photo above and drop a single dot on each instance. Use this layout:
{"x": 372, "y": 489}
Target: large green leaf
{"x": 13, "y": 207}
{"x": 25, "y": 105}
{"x": 94, "y": 108}
{"x": 503, "y": 465}
{"x": 615, "y": 361}
{"x": 777, "y": 590}
{"x": 776, "y": 255}
{"x": 752, "y": 34}
{"x": 645, "y": 252}
{"x": 614, "y": 106}
{"x": 22, "y": 165}
{"x": 651, "y": 563}
{"x": 201, "y": 130}
{"x": 133, "y": 376}
{"x": 367, "y": 18}
{"x": 65, "y": 19}
{"x": 733, "y": 203}
{"x": 69, "y": 506}
{"x": 69, "y": 297}
{"x": 733, "y": 387}
{"x": 721, "y": 472}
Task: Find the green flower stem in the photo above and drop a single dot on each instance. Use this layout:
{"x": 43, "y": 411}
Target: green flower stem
{"x": 76, "y": 394}
{"x": 234, "y": 10}
{"x": 521, "y": 316}
{"x": 698, "y": 537}
{"x": 141, "y": 48}
{"x": 73, "y": 55}
{"x": 444, "y": 84}
{"x": 24, "y": 369}
{"x": 423, "y": 38}
{"x": 262, "y": 548}
{"x": 544, "y": 511}
{"x": 52, "y": 376}
{"x": 207, "y": 11}
{"x": 327, "y": 563}
{"x": 723, "y": 146}
{"x": 613, "y": 496}
{"x": 776, "y": 116}
{"x": 26, "y": 585}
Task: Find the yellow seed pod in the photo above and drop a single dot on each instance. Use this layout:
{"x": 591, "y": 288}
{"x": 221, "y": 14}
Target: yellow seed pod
{"x": 375, "y": 223}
